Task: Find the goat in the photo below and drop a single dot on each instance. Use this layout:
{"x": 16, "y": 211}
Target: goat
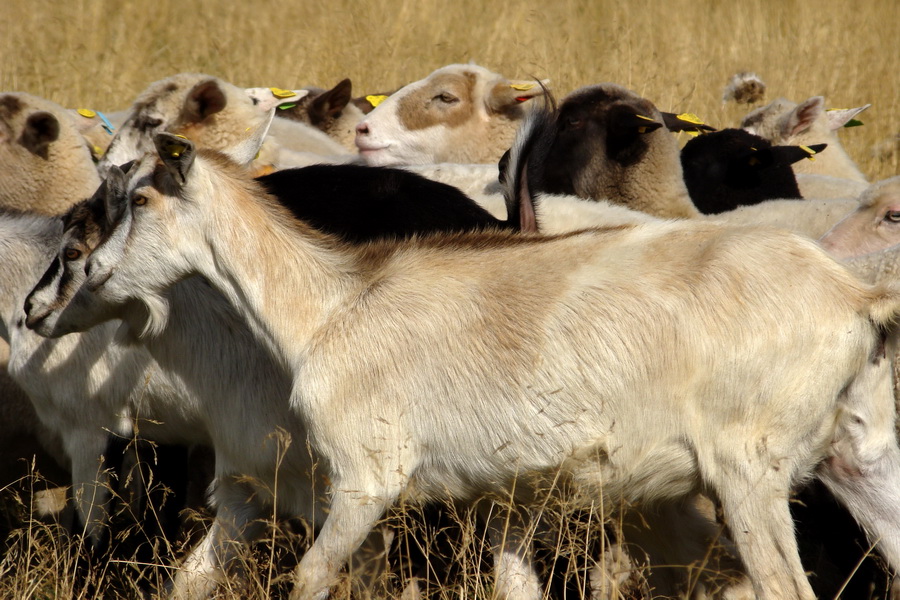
{"x": 358, "y": 203}
{"x": 543, "y": 349}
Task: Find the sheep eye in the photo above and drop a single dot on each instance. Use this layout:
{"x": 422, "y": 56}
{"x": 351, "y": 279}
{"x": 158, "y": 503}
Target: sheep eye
{"x": 892, "y": 216}
{"x": 139, "y": 200}
{"x": 72, "y": 253}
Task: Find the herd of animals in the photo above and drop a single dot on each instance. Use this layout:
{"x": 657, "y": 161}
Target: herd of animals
{"x": 463, "y": 290}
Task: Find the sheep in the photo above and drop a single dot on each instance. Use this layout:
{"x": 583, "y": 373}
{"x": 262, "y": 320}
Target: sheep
{"x": 459, "y": 114}
{"x": 98, "y": 128}
{"x": 605, "y": 142}
{"x": 732, "y": 167}
{"x": 44, "y": 160}
{"x": 873, "y": 226}
{"x": 744, "y": 88}
{"x": 211, "y": 112}
{"x": 784, "y": 122}
{"x": 331, "y": 110}
{"x": 523, "y": 336}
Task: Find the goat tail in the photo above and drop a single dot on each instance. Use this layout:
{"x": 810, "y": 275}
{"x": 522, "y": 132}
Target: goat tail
{"x": 529, "y": 147}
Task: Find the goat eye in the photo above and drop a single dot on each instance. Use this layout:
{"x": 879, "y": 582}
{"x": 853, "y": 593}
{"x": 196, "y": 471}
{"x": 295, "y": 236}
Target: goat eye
{"x": 139, "y": 200}
{"x": 892, "y": 216}
{"x": 72, "y": 253}
{"x": 572, "y": 123}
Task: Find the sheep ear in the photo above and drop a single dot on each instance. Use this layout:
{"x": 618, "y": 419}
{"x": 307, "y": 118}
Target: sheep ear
{"x": 627, "y": 121}
{"x": 114, "y": 195}
{"x": 41, "y": 129}
{"x": 684, "y": 122}
{"x": 245, "y": 152}
{"x": 269, "y": 98}
{"x": 840, "y": 117}
{"x": 512, "y": 93}
{"x": 801, "y": 118}
{"x": 330, "y": 104}
{"x": 204, "y": 99}
{"x": 792, "y": 154}
{"x": 177, "y": 154}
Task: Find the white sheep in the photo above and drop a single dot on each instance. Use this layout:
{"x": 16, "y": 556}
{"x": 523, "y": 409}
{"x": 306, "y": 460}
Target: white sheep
{"x": 459, "y": 114}
{"x": 787, "y": 123}
{"x": 630, "y": 158}
{"x": 212, "y": 113}
{"x": 873, "y": 226}
{"x": 544, "y": 350}
{"x": 44, "y": 161}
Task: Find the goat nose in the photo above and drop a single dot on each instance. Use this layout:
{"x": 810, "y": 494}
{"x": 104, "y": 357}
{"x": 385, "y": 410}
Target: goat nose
{"x": 362, "y": 129}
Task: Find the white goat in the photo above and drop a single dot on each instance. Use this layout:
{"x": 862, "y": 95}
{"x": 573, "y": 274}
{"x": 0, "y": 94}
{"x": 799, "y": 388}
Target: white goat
{"x": 83, "y": 387}
{"x": 458, "y": 114}
{"x": 541, "y": 354}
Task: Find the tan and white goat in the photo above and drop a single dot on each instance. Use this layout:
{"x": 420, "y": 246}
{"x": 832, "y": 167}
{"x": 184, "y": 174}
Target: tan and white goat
{"x": 639, "y": 363}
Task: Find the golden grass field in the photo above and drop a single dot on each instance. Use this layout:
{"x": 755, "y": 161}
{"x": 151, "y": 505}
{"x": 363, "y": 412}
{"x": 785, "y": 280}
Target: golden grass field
{"x": 101, "y": 53}
{"x": 678, "y": 53}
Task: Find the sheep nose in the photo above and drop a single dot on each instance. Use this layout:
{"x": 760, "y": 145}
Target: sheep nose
{"x": 362, "y": 129}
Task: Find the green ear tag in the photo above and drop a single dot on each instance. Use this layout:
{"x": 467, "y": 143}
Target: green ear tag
{"x": 853, "y": 123}
{"x": 286, "y": 106}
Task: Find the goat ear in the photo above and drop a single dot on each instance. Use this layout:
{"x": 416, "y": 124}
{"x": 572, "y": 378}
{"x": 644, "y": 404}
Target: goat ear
{"x": 792, "y": 154}
{"x": 801, "y": 118}
{"x": 331, "y": 103}
{"x": 684, "y": 122}
{"x": 114, "y": 195}
{"x": 177, "y": 154}
{"x": 205, "y": 99}
{"x": 840, "y": 117}
{"x": 41, "y": 129}
{"x": 509, "y": 94}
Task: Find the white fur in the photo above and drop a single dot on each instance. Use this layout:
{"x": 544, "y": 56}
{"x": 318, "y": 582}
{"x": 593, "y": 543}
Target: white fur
{"x": 485, "y": 134}
{"x": 544, "y": 361}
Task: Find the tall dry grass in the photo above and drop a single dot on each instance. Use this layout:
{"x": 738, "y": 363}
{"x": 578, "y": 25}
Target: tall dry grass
{"x": 679, "y": 53}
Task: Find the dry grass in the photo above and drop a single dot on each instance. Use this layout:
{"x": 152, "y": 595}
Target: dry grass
{"x": 679, "y": 53}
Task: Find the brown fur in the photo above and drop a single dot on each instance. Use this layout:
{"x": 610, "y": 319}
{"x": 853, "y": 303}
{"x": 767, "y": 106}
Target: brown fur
{"x": 461, "y": 86}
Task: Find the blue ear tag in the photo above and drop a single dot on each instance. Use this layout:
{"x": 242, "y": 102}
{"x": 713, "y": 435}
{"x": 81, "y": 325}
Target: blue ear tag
{"x": 106, "y": 124}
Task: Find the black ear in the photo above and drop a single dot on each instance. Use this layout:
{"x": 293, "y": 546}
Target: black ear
{"x": 627, "y": 121}
{"x": 177, "y": 154}
{"x": 41, "y": 129}
{"x": 675, "y": 122}
{"x": 791, "y": 154}
{"x": 205, "y": 99}
{"x": 114, "y": 195}
{"x": 330, "y": 104}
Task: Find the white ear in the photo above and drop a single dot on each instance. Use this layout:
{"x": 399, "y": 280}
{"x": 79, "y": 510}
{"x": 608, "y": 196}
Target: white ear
{"x": 838, "y": 117}
{"x": 244, "y": 152}
{"x": 801, "y": 118}
{"x": 269, "y": 98}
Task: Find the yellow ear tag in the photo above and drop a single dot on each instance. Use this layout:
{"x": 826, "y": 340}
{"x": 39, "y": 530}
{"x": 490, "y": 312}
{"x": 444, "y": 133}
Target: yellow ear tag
{"x": 179, "y": 135}
{"x": 376, "y": 100}
{"x": 644, "y": 118}
{"x": 642, "y": 130}
{"x": 522, "y": 87}
{"x": 809, "y": 151}
{"x": 690, "y": 118}
{"x": 98, "y": 150}
{"x": 280, "y": 93}
{"x": 693, "y": 133}
{"x": 86, "y": 113}
{"x": 175, "y": 150}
